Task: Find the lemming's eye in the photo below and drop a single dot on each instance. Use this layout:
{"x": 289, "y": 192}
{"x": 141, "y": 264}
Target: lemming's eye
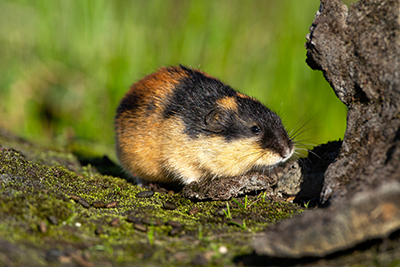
{"x": 255, "y": 129}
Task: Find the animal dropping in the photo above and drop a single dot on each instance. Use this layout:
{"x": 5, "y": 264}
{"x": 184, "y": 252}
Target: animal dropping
{"x": 182, "y": 125}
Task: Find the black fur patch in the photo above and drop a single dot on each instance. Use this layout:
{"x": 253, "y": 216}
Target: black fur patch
{"x": 128, "y": 104}
{"x": 195, "y": 103}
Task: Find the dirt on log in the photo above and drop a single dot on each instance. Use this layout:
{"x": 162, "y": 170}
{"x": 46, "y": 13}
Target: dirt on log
{"x": 358, "y": 51}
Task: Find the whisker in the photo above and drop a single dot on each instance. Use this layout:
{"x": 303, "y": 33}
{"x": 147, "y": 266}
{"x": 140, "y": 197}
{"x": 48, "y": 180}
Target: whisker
{"x": 315, "y": 154}
{"x": 309, "y": 151}
{"x": 249, "y": 154}
{"x": 302, "y": 141}
{"x": 302, "y": 149}
{"x": 253, "y": 164}
{"x": 303, "y": 163}
{"x": 301, "y": 130}
{"x": 299, "y": 155}
{"x": 302, "y": 117}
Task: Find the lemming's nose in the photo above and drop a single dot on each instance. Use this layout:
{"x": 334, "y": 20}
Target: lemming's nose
{"x": 287, "y": 152}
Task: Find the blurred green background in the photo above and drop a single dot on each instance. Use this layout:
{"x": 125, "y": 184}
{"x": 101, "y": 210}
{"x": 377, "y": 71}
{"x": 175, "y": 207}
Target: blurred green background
{"x": 66, "y": 64}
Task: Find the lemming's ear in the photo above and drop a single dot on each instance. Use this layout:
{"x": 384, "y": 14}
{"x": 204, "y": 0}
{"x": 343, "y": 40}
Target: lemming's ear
{"x": 216, "y": 120}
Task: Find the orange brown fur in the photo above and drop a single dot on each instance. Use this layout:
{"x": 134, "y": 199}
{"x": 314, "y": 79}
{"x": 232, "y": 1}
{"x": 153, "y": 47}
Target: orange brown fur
{"x": 228, "y": 103}
{"x": 138, "y": 135}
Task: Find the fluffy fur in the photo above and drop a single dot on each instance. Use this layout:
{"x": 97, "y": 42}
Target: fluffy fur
{"x": 182, "y": 125}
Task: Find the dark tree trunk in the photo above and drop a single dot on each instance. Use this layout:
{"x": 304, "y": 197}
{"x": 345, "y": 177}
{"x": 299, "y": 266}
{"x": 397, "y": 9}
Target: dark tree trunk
{"x": 358, "y": 51}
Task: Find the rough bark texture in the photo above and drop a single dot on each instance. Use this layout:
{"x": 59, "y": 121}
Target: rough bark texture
{"x": 358, "y": 51}
{"x": 223, "y": 189}
{"x": 318, "y": 233}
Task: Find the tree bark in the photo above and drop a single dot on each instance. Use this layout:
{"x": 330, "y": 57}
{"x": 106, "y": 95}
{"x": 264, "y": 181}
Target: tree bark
{"x": 358, "y": 52}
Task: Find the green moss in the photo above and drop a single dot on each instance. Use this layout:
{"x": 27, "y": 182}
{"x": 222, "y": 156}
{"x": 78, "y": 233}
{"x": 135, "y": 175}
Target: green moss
{"x": 32, "y": 192}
